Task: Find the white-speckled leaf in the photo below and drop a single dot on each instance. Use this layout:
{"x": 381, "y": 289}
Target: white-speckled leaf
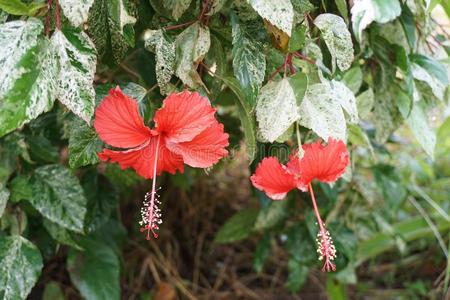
{"x": 28, "y": 75}
{"x": 4, "y": 196}
{"x": 422, "y": 74}
{"x": 120, "y": 14}
{"x": 177, "y": 7}
{"x": 77, "y": 59}
{"x": 77, "y": 11}
{"x": 20, "y": 267}
{"x": 346, "y": 98}
{"x": 276, "y": 109}
{"x": 386, "y": 116}
{"x": 418, "y": 122}
{"x": 279, "y": 13}
{"x": 338, "y": 39}
{"x": 156, "y": 42}
{"x": 58, "y": 196}
{"x": 249, "y": 62}
{"x": 322, "y": 112}
{"x": 364, "y": 12}
{"x": 191, "y": 46}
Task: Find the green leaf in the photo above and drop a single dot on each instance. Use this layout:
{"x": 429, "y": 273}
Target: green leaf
{"x": 299, "y": 84}
{"x": 20, "y": 267}
{"x": 61, "y": 234}
{"x": 276, "y": 109}
{"x": 19, "y": 8}
{"x": 53, "y": 291}
{"x": 262, "y": 252}
{"x": 443, "y": 138}
{"x": 335, "y": 290}
{"x": 280, "y": 13}
{"x": 343, "y": 9}
{"x": 28, "y": 74}
{"x": 111, "y": 28}
{"x": 386, "y": 116}
{"x": 298, "y": 273}
{"x": 353, "y": 79}
{"x": 272, "y": 215}
{"x": 177, "y": 7}
{"x": 358, "y": 137}
{"x": 432, "y": 72}
{"x": 245, "y": 115}
{"x": 58, "y": 196}
{"x": 77, "y": 11}
{"x": 297, "y": 40}
{"x": 4, "y": 196}
{"x": 157, "y": 42}
{"x": 418, "y": 122}
{"x": 364, "y": 102}
{"x": 364, "y": 12}
{"x": 249, "y": 62}
{"x": 409, "y": 25}
{"x": 77, "y": 59}
{"x": 404, "y": 102}
{"x": 84, "y": 144}
{"x": 238, "y": 227}
{"x": 409, "y": 229}
{"x": 42, "y": 150}
{"x": 11, "y": 147}
{"x": 388, "y": 181}
{"x": 338, "y": 40}
{"x": 102, "y": 200}
{"x": 95, "y": 271}
{"x": 191, "y": 47}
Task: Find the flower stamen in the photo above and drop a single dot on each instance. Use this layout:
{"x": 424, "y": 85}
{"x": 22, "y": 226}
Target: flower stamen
{"x": 150, "y": 212}
{"x": 325, "y": 246}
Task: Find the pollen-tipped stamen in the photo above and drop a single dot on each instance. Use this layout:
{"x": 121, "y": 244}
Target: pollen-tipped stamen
{"x": 150, "y": 212}
{"x": 325, "y": 246}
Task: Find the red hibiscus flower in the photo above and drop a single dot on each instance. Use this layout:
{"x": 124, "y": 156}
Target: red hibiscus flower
{"x": 185, "y": 132}
{"x": 324, "y": 163}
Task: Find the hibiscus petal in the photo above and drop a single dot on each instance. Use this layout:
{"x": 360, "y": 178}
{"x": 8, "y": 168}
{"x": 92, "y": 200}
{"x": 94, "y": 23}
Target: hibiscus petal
{"x": 142, "y": 159}
{"x": 293, "y": 167}
{"x": 183, "y": 116}
{"x": 324, "y": 163}
{"x": 118, "y": 123}
{"x": 273, "y": 178}
{"x": 205, "y": 149}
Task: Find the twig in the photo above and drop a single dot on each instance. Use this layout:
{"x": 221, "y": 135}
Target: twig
{"x": 172, "y": 27}
{"x": 304, "y": 57}
{"x": 47, "y": 19}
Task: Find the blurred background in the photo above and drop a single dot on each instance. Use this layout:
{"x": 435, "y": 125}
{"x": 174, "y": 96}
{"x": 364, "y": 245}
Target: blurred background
{"x": 221, "y": 238}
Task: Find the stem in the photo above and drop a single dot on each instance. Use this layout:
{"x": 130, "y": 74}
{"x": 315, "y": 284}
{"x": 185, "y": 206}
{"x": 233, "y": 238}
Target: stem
{"x": 276, "y": 72}
{"x": 299, "y": 141}
{"x": 167, "y": 28}
{"x": 316, "y": 210}
{"x": 203, "y": 12}
{"x": 47, "y": 18}
{"x": 304, "y": 57}
{"x": 58, "y": 16}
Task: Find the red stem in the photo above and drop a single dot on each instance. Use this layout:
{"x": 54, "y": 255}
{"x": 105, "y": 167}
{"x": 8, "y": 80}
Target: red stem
{"x": 179, "y": 25}
{"x": 58, "y": 16}
{"x": 304, "y": 57}
{"x": 316, "y": 210}
{"x": 47, "y": 19}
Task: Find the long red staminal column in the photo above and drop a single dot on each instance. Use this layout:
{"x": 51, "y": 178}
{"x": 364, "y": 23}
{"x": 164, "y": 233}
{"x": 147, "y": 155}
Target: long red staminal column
{"x": 326, "y": 249}
{"x": 151, "y": 214}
